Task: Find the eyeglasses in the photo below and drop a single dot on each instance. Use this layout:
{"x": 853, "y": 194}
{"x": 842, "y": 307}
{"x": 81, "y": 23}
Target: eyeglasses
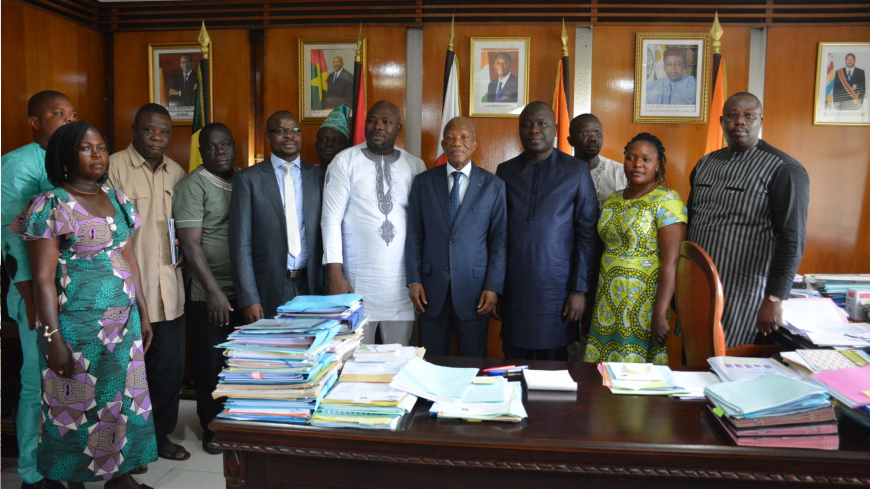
{"x": 749, "y": 116}
{"x": 584, "y": 135}
{"x": 283, "y": 131}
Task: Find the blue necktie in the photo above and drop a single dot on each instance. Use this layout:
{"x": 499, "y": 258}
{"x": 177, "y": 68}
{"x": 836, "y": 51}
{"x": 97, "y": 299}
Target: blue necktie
{"x": 498, "y": 91}
{"x": 454, "y": 196}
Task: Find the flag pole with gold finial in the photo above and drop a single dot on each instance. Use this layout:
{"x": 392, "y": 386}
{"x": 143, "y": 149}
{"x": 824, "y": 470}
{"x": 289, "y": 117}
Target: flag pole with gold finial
{"x": 357, "y": 129}
{"x": 718, "y": 90}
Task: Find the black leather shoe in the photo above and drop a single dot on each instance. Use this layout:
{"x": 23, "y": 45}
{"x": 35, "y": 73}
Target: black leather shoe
{"x": 208, "y": 437}
{"x": 43, "y": 484}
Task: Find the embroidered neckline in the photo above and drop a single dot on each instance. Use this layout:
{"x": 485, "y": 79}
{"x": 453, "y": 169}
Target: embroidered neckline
{"x": 390, "y": 158}
{"x": 217, "y": 181}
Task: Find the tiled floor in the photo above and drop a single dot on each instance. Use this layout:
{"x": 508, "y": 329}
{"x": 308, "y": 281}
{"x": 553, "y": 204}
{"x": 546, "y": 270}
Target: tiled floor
{"x": 200, "y": 471}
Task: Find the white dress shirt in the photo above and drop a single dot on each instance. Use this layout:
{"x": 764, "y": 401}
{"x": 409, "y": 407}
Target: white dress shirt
{"x": 463, "y": 182}
{"x": 301, "y": 260}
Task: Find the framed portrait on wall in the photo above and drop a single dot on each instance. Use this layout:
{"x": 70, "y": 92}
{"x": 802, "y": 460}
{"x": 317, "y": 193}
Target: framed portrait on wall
{"x": 172, "y": 71}
{"x": 326, "y": 76}
{"x": 500, "y": 76}
{"x": 670, "y": 77}
{"x": 841, "y": 86}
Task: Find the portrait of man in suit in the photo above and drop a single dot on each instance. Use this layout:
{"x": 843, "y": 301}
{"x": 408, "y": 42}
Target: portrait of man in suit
{"x": 182, "y": 84}
{"x": 502, "y": 88}
{"x": 274, "y": 224}
{"x": 455, "y": 247}
{"x": 849, "y": 86}
{"x": 339, "y": 86}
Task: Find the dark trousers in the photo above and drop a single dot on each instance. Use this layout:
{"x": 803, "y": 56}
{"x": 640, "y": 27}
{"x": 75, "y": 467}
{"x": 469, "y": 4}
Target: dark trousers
{"x": 208, "y": 361}
{"x": 293, "y": 287}
{"x": 164, "y": 366}
{"x": 471, "y": 335}
{"x": 513, "y": 352}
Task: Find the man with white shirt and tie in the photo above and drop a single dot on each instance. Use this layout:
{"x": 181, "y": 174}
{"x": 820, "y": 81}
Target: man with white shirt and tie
{"x": 340, "y": 85}
{"x": 274, "y": 224}
{"x": 504, "y": 87}
{"x": 182, "y": 87}
{"x": 849, "y": 86}
{"x": 456, "y": 246}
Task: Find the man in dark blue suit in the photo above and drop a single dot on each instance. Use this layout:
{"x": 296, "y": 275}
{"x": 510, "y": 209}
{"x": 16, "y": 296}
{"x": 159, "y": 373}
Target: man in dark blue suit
{"x": 455, "y": 248}
{"x": 552, "y": 212}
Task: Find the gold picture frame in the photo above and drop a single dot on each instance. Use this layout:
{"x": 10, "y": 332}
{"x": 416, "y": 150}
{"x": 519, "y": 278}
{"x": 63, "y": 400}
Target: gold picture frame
{"x": 166, "y": 75}
{"x": 487, "y": 58}
{"x": 658, "y": 95}
{"x": 315, "y": 108}
{"x": 834, "y": 101}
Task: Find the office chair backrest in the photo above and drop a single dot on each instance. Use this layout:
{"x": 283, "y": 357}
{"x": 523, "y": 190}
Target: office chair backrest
{"x": 699, "y": 306}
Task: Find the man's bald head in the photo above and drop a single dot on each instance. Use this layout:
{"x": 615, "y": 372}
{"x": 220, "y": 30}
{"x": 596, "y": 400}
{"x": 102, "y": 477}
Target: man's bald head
{"x": 586, "y": 135}
{"x": 273, "y": 119}
{"x": 47, "y": 111}
{"x": 741, "y": 121}
{"x": 458, "y": 122}
{"x": 540, "y": 108}
{"x": 537, "y": 130}
{"x": 383, "y": 125}
{"x": 732, "y": 100}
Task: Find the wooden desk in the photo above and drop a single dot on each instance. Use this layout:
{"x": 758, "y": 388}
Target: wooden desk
{"x": 569, "y": 439}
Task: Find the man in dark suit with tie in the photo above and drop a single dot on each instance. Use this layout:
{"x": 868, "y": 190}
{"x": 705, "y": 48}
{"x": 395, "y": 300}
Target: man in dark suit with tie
{"x": 182, "y": 86}
{"x": 274, "y": 224}
{"x": 504, "y": 87}
{"x": 455, "y": 248}
{"x": 849, "y": 86}
{"x": 340, "y": 85}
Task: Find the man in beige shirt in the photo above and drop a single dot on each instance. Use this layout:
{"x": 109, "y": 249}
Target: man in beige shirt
{"x": 147, "y": 177}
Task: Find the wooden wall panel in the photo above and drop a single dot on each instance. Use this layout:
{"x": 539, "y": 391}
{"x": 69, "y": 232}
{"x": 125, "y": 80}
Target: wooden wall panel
{"x": 42, "y": 51}
{"x": 837, "y": 158}
{"x": 613, "y": 59}
{"x": 232, "y": 92}
{"x": 385, "y": 79}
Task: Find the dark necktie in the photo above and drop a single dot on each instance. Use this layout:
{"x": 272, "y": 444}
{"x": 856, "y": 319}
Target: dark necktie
{"x": 498, "y": 91}
{"x": 454, "y": 195}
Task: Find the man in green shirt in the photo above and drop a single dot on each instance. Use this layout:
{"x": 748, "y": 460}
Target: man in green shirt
{"x": 201, "y": 208}
{"x": 23, "y": 176}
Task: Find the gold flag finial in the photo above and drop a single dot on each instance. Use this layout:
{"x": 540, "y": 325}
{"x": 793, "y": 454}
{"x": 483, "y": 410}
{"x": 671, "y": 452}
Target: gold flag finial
{"x": 204, "y": 41}
{"x": 716, "y": 33}
{"x": 564, "y": 39}
{"x": 358, "y": 58}
{"x": 450, "y": 42}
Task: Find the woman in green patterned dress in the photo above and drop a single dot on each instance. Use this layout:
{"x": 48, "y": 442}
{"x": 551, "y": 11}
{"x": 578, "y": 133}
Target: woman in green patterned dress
{"x": 96, "y": 410}
{"x": 642, "y": 228}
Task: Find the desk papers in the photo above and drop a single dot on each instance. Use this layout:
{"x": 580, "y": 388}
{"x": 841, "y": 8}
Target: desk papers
{"x": 434, "y": 382}
{"x": 768, "y": 395}
{"x": 640, "y": 379}
{"x": 379, "y": 371}
{"x": 509, "y": 410}
{"x": 694, "y": 383}
{"x": 743, "y": 368}
{"x": 848, "y": 385}
{"x": 824, "y": 323}
{"x": 549, "y": 380}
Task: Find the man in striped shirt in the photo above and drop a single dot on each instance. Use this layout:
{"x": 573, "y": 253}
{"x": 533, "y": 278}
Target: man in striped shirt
{"x": 748, "y": 210}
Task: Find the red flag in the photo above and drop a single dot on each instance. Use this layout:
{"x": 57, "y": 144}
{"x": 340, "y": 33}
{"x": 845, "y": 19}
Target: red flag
{"x": 563, "y": 115}
{"x": 358, "y": 131}
{"x": 715, "y": 139}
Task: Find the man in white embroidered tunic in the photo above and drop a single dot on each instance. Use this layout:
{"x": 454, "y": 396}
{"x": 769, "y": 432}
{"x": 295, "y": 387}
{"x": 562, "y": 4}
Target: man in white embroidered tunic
{"x": 365, "y": 200}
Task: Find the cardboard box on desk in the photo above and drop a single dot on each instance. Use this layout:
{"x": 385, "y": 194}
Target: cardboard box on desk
{"x": 854, "y": 298}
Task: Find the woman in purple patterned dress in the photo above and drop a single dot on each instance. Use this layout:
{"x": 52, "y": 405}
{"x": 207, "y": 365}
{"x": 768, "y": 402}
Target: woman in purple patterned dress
{"x": 96, "y": 423}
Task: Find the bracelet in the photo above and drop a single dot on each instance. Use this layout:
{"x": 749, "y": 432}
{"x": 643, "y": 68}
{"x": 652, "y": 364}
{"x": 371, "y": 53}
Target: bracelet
{"x": 47, "y": 335}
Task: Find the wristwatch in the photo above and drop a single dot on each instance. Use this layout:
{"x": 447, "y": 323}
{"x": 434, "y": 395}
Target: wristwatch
{"x": 773, "y": 298}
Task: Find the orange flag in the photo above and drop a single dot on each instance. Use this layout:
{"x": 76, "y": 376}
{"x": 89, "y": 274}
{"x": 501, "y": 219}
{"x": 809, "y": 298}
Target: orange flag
{"x": 717, "y": 101}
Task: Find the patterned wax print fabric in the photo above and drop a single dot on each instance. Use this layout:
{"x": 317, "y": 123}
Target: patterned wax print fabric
{"x": 629, "y": 272}
{"x": 97, "y": 424}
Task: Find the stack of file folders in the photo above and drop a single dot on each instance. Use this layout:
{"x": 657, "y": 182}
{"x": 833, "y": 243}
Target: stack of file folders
{"x": 363, "y": 405}
{"x": 347, "y": 309}
{"x": 362, "y": 398}
{"x": 278, "y": 369}
{"x": 459, "y": 394}
{"x": 640, "y": 379}
{"x": 774, "y": 411}
{"x": 845, "y": 374}
{"x": 378, "y": 363}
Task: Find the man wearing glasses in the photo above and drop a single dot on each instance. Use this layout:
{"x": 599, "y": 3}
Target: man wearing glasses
{"x": 587, "y": 137}
{"x": 274, "y": 224}
{"x": 748, "y": 210}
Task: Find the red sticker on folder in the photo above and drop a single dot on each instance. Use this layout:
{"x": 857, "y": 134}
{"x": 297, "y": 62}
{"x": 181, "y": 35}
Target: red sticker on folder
{"x": 257, "y": 375}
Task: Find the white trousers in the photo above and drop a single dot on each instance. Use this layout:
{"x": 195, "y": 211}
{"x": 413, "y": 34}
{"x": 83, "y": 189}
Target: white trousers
{"x": 391, "y": 332}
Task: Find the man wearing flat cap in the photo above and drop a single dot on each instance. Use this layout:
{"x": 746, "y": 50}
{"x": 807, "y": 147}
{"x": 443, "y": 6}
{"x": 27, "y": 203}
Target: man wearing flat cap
{"x": 333, "y": 136}
{"x": 677, "y": 88}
